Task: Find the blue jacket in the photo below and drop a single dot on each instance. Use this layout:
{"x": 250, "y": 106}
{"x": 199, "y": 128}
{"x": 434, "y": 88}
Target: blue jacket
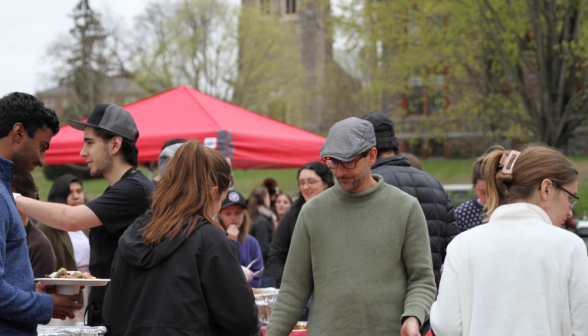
{"x": 21, "y": 309}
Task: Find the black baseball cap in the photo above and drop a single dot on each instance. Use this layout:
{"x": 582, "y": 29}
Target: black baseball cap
{"x": 378, "y": 119}
{"x": 111, "y": 118}
{"x": 234, "y": 197}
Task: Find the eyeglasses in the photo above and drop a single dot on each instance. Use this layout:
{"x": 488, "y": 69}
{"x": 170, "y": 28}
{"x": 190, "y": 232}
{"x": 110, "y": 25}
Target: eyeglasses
{"x": 569, "y": 193}
{"x": 334, "y": 163}
{"x": 307, "y": 183}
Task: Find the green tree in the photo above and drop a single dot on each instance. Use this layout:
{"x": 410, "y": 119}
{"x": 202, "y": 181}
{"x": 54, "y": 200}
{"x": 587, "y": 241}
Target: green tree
{"x": 80, "y": 62}
{"x": 515, "y": 65}
{"x": 271, "y": 79}
{"x": 235, "y": 54}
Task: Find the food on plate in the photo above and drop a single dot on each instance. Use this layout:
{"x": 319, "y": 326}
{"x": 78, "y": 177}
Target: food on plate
{"x": 301, "y": 326}
{"x": 257, "y": 291}
{"x": 64, "y": 274}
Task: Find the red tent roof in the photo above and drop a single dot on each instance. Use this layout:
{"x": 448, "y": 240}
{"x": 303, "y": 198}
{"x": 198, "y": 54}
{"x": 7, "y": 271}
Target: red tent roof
{"x": 250, "y": 140}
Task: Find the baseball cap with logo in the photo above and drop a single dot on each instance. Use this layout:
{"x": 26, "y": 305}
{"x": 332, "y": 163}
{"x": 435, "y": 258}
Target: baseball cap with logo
{"x": 111, "y": 118}
{"x": 234, "y": 197}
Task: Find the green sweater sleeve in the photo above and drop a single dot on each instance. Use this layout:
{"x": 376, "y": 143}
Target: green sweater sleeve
{"x": 416, "y": 253}
{"x": 297, "y": 283}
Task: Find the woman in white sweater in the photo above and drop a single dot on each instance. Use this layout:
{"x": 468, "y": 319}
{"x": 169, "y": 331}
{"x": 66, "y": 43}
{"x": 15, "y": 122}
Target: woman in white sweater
{"x": 520, "y": 274}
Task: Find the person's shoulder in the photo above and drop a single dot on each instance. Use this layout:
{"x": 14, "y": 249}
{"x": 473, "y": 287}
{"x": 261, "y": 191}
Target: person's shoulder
{"x": 209, "y": 230}
{"x": 250, "y": 240}
{"x": 136, "y": 182}
{"x": 469, "y": 206}
{"x": 320, "y": 201}
{"x": 392, "y": 191}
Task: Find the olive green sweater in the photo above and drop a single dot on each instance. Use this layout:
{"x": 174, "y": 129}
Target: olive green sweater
{"x": 366, "y": 260}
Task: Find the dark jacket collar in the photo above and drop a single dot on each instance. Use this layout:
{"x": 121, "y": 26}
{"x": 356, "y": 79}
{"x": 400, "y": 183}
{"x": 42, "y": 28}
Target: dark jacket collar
{"x": 396, "y": 160}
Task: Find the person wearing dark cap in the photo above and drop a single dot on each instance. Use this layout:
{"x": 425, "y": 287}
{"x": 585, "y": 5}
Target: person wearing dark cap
{"x": 397, "y": 171}
{"x": 234, "y": 218}
{"x": 366, "y": 263}
{"x": 110, "y": 137}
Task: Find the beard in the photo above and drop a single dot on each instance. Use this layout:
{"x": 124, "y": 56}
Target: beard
{"x": 103, "y": 164}
{"x": 353, "y": 181}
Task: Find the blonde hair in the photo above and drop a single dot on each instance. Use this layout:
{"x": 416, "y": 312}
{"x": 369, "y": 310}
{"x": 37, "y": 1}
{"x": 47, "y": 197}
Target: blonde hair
{"x": 245, "y": 227}
{"x": 536, "y": 163}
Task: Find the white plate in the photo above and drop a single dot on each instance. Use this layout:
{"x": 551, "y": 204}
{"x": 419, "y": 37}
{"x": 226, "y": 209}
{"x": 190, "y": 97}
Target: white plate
{"x": 72, "y": 282}
{"x": 75, "y": 282}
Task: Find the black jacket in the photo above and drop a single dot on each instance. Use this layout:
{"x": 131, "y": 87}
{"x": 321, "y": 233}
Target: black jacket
{"x": 184, "y": 286}
{"x": 280, "y": 244}
{"x": 434, "y": 200}
{"x": 262, "y": 230}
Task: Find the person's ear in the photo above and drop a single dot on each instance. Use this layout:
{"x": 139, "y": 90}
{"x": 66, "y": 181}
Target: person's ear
{"x": 214, "y": 192}
{"x": 19, "y": 132}
{"x": 115, "y": 144}
{"x": 546, "y": 189}
{"x": 372, "y": 156}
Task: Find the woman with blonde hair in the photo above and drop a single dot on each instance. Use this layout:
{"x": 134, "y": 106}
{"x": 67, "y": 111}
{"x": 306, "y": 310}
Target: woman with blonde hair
{"x": 175, "y": 271}
{"x": 234, "y": 218}
{"x": 519, "y": 274}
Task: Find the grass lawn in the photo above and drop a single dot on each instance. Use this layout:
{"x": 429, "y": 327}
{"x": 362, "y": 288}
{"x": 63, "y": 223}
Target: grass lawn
{"x": 451, "y": 171}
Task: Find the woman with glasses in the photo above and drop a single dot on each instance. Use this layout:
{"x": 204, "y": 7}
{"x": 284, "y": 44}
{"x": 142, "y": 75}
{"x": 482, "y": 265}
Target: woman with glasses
{"x": 519, "y": 274}
{"x": 313, "y": 178}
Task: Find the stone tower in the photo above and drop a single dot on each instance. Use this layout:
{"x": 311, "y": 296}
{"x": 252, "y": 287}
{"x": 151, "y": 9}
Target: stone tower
{"x": 309, "y": 20}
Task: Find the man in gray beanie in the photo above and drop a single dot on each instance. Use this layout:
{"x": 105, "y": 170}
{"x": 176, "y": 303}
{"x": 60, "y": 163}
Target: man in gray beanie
{"x": 367, "y": 264}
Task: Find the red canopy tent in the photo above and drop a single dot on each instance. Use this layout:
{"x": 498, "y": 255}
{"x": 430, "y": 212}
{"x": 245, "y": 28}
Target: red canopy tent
{"x": 250, "y": 140}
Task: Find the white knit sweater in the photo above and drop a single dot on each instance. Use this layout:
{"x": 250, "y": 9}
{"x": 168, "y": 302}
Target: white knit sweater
{"x": 516, "y": 275}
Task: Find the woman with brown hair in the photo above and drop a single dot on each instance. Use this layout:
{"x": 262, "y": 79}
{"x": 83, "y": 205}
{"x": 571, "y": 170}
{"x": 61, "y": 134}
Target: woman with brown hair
{"x": 175, "y": 271}
{"x": 283, "y": 204}
{"x": 519, "y": 274}
{"x": 262, "y": 227}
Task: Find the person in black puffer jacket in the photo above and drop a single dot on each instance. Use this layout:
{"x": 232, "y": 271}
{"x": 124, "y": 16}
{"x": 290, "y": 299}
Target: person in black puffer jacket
{"x": 433, "y": 198}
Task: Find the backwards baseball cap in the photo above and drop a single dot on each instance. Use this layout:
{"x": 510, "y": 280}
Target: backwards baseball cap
{"x": 167, "y": 154}
{"x": 378, "y": 119}
{"x": 234, "y": 197}
{"x": 348, "y": 138}
{"x": 111, "y": 118}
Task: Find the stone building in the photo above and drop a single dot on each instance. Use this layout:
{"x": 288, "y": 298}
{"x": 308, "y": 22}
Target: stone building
{"x": 327, "y": 81}
{"x": 118, "y": 90}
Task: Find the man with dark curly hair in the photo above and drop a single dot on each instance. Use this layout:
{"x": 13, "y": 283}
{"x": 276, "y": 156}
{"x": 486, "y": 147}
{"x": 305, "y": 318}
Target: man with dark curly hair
{"x": 26, "y": 129}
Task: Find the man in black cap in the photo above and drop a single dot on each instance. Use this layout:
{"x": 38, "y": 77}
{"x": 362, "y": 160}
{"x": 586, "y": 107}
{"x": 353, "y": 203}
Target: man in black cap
{"x": 433, "y": 198}
{"x": 110, "y": 137}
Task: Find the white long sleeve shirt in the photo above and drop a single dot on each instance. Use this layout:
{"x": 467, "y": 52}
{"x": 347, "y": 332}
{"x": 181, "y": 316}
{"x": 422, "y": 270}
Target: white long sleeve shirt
{"x": 516, "y": 275}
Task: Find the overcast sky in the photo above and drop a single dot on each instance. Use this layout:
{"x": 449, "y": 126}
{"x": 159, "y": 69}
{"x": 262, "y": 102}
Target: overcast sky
{"x": 28, "y": 26}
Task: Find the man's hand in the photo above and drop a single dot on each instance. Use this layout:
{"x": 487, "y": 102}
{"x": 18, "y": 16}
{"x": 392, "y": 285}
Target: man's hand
{"x": 233, "y": 232}
{"x": 248, "y": 273}
{"x": 410, "y": 327}
{"x": 64, "y": 305}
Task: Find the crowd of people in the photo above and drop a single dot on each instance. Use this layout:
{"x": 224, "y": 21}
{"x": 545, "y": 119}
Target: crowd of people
{"x": 370, "y": 245}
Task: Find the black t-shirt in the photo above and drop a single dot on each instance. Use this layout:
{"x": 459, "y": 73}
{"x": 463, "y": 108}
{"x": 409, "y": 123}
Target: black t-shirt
{"x": 117, "y": 208}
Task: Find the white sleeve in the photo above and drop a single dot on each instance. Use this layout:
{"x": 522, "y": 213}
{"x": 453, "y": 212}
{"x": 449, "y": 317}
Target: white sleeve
{"x": 446, "y": 319}
{"x": 578, "y": 290}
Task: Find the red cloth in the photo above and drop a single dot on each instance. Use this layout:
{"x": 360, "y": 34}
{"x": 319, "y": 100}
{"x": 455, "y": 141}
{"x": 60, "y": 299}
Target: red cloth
{"x": 258, "y": 141}
{"x": 293, "y": 333}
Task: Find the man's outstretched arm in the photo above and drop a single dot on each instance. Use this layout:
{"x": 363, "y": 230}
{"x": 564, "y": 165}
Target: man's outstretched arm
{"x": 57, "y": 215}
